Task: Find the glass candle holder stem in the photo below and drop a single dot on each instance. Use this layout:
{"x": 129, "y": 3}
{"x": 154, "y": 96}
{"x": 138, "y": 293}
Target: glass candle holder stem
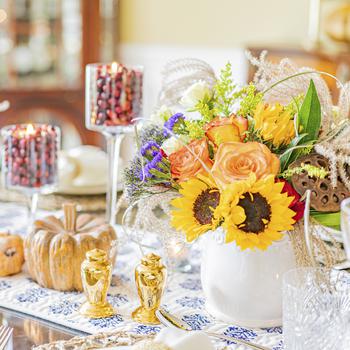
{"x": 113, "y": 147}
{"x": 33, "y": 199}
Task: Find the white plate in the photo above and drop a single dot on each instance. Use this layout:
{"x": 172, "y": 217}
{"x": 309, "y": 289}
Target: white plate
{"x": 85, "y": 190}
{"x": 82, "y": 190}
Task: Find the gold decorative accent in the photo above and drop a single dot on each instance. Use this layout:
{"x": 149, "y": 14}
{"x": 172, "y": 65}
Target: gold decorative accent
{"x": 70, "y": 216}
{"x": 56, "y": 247}
{"x": 11, "y": 254}
{"x": 97, "y": 341}
{"x": 150, "y": 276}
{"x": 96, "y": 274}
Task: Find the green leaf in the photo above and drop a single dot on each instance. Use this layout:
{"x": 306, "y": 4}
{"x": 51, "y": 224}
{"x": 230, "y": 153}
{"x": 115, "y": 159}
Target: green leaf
{"x": 289, "y": 156}
{"x": 309, "y": 118}
{"x": 331, "y": 220}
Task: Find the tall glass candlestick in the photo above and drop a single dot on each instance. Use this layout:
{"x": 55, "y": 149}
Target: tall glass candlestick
{"x": 113, "y": 100}
{"x": 29, "y": 160}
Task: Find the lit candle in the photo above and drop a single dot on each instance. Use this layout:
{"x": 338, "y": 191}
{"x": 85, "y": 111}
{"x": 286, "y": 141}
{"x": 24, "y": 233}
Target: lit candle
{"x": 114, "y": 68}
{"x": 30, "y": 129}
{"x": 30, "y": 155}
{"x": 177, "y": 250}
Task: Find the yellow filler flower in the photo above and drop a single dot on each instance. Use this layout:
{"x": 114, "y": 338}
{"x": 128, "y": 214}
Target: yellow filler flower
{"x": 274, "y": 124}
{"x": 254, "y": 213}
{"x": 194, "y": 209}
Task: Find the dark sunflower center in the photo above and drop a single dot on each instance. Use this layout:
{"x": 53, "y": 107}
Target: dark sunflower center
{"x": 257, "y": 211}
{"x": 203, "y": 205}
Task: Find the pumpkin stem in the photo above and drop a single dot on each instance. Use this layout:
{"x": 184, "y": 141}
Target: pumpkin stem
{"x": 70, "y": 216}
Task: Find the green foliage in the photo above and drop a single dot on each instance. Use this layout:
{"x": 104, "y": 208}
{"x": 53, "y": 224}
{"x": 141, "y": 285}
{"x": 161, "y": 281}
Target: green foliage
{"x": 221, "y": 103}
{"x": 294, "y": 105}
{"x": 312, "y": 171}
{"x": 205, "y": 108}
{"x": 249, "y": 98}
{"x": 195, "y": 129}
{"x": 224, "y": 92}
{"x": 309, "y": 118}
{"x": 331, "y": 220}
{"x": 180, "y": 128}
{"x": 291, "y": 154}
{"x": 165, "y": 114}
{"x": 308, "y": 122}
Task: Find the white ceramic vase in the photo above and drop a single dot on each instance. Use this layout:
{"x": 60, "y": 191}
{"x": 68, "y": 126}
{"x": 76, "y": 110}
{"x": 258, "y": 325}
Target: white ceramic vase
{"x": 245, "y": 287}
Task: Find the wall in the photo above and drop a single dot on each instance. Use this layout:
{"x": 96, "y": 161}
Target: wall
{"x": 212, "y": 22}
{"x": 153, "y": 32}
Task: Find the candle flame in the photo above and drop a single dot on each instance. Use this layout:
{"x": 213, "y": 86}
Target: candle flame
{"x": 114, "y": 67}
{"x": 176, "y": 247}
{"x": 30, "y": 129}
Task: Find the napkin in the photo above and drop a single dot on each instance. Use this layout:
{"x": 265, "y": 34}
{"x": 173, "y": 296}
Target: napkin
{"x": 82, "y": 166}
{"x": 175, "y": 339}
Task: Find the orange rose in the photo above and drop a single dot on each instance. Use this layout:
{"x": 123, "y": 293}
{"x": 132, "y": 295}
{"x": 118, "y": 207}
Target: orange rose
{"x": 184, "y": 165}
{"x": 222, "y": 130}
{"x": 236, "y": 161}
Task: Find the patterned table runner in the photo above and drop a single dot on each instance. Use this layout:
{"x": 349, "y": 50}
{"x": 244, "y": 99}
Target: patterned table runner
{"x": 183, "y": 297}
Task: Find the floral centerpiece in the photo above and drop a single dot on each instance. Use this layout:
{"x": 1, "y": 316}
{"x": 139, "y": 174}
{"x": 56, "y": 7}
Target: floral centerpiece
{"x": 237, "y": 164}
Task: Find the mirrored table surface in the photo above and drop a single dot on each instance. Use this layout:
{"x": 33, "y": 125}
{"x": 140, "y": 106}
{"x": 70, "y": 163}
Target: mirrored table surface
{"x": 30, "y": 331}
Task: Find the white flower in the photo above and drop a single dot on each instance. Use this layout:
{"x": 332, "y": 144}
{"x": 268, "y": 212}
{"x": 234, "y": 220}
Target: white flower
{"x": 173, "y": 144}
{"x": 161, "y": 114}
{"x": 195, "y": 93}
{"x": 193, "y": 116}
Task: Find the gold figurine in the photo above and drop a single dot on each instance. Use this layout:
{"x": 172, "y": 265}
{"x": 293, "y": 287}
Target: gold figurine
{"x": 96, "y": 274}
{"x": 150, "y": 278}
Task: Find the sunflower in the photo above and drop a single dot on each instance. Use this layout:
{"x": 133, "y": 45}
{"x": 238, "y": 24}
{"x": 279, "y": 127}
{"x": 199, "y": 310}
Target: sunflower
{"x": 254, "y": 212}
{"x": 274, "y": 124}
{"x": 194, "y": 209}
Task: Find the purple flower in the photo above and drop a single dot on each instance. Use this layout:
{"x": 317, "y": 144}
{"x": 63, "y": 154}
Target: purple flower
{"x": 153, "y": 164}
{"x": 150, "y": 148}
{"x": 171, "y": 122}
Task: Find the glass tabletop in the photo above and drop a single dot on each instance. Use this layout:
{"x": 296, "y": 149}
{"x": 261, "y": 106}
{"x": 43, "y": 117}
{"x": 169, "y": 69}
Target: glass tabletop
{"x": 29, "y": 331}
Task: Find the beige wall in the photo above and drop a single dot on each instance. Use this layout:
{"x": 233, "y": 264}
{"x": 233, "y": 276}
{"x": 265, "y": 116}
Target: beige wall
{"x": 213, "y": 22}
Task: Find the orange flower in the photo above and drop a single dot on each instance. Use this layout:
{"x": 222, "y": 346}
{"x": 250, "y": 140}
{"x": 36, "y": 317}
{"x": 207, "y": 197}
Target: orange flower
{"x": 236, "y": 161}
{"x": 184, "y": 165}
{"x": 222, "y": 130}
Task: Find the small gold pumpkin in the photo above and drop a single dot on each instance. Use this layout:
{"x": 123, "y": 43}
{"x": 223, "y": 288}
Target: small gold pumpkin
{"x": 11, "y": 254}
{"x": 55, "y": 248}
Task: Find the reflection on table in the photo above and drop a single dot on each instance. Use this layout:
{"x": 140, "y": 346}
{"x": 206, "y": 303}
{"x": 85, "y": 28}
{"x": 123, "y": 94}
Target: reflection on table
{"x": 29, "y": 331}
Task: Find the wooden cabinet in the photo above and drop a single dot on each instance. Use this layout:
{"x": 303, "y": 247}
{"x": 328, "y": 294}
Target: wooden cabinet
{"x": 44, "y": 47}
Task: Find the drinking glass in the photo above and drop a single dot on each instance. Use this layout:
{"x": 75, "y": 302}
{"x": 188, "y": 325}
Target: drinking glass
{"x": 316, "y": 309}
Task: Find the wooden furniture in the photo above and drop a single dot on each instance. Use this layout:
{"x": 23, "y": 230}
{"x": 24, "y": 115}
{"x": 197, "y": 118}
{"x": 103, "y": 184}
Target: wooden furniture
{"x": 337, "y": 64}
{"x": 52, "y": 41}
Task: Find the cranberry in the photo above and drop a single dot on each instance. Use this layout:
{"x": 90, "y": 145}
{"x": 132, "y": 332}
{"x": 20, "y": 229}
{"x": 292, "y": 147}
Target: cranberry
{"x": 118, "y": 96}
{"x": 28, "y": 154}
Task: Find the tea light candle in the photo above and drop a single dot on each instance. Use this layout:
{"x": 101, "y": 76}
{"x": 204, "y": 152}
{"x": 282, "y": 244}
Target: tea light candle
{"x": 30, "y": 155}
{"x": 177, "y": 250}
{"x": 114, "y": 94}
{"x": 177, "y": 255}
